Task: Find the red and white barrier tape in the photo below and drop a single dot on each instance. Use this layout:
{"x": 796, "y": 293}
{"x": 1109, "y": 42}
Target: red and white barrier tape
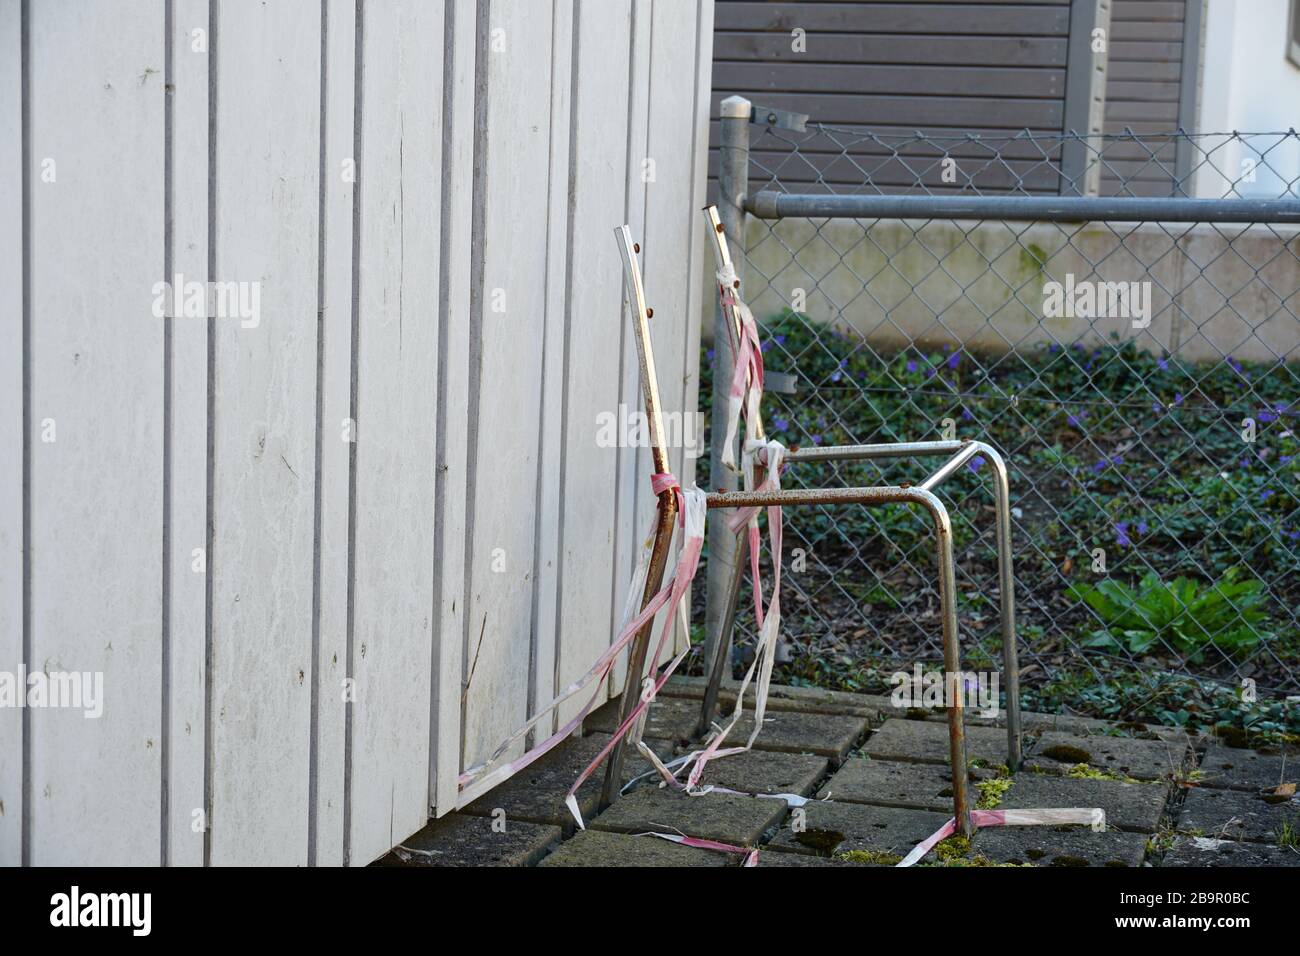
{"x": 694, "y": 509}
{"x": 1009, "y": 818}
{"x": 477, "y": 780}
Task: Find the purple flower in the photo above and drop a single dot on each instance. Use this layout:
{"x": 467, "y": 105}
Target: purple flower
{"x": 929, "y": 372}
{"x": 1236, "y": 366}
{"x": 1283, "y": 459}
{"x": 911, "y": 365}
{"x": 975, "y": 463}
{"x": 1178, "y": 398}
{"x": 1121, "y": 535}
{"x": 780, "y": 340}
{"x": 816, "y": 439}
{"x": 1074, "y": 421}
{"x": 1266, "y": 415}
{"x": 966, "y": 415}
{"x": 954, "y": 359}
{"x": 780, "y": 424}
{"x": 1266, "y": 494}
{"x": 1142, "y": 527}
{"x": 1162, "y": 365}
{"x": 709, "y": 353}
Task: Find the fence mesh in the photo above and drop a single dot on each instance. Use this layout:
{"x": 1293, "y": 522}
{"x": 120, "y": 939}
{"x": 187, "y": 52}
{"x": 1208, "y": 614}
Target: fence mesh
{"x": 1146, "y": 404}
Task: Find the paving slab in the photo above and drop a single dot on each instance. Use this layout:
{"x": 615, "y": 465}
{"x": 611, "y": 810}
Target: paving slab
{"x": 536, "y": 793}
{"x": 1229, "y": 768}
{"x": 887, "y": 783}
{"x": 601, "y": 848}
{"x": 782, "y": 697}
{"x": 831, "y": 828}
{"x": 1207, "y": 851}
{"x": 461, "y": 840}
{"x": 1236, "y": 815}
{"x": 669, "y": 719}
{"x": 1128, "y": 806}
{"x": 777, "y": 857}
{"x": 1060, "y": 846}
{"x": 1066, "y": 723}
{"x": 714, "y": 816}
{"x": 1057, "y": 752}
{"x": 926, "y": 741}
{"x": 762, "y": 771}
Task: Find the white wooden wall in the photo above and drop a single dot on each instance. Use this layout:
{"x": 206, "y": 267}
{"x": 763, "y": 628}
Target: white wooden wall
{"x": 390, "y": 482}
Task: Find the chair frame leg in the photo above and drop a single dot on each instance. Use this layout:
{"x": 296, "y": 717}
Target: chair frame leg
{"x": 961, "y": 451}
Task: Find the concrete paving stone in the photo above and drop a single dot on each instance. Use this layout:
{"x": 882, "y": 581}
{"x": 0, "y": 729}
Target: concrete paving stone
{"x": 831, "y": 828}
{"x": 1057, "y": 752}
{"x": 1066, "y": 723}
{"x": 1227, "y": 767}
{"x": 714, "y": 816}
{"x": 762, "y": 771}
{"x": 777, "y": 857}
{"x": 782, "y": 697}
{"x": 601, "y": 848}
{"x": 461, "y": 840}
{"x": 1207, "y": 851}
{"x": 1060, "y": 846}
{"x": 1236, "y": 815}
{"x": 927, "y": 742}
{"x": 674, "y": 719}
{"x": 1128, "y": 806}
{"x": 669, "y": 719}
{"x": 917, "y": 786}
{"x": 536, "y": 793}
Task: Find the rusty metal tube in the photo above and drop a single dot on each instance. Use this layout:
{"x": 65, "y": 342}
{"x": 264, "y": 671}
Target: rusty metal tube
{"x": 947, "y": 594}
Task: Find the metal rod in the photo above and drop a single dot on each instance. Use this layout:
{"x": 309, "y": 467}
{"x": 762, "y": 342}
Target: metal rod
{"x": 722, "y": 649}
{"x": 1007, "y": 599}
{"x": 902, "y": 449}
{"x": 667, "y": 507}
{"x": 947, "y": 596}
{"x": 1006, "y": 576}
{"x": 948, "y": 468}
{"x": 733, "y": 181}
{"x": 717, "y": 647}
{"x": 770, "y": 204}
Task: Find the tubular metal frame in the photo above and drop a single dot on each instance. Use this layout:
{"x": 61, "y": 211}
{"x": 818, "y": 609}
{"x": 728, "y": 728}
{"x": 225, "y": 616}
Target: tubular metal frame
{"x": 961, "y": 451}
{"x": 801, "y": 497}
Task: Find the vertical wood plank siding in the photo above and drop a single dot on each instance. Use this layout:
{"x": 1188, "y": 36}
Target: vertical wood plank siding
{"x": 326, "y": 555}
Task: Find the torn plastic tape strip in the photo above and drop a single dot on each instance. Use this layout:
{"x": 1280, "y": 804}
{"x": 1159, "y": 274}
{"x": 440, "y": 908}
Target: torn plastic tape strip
{"x": 750, "y": 853}
{"x": 1010, "y": 818}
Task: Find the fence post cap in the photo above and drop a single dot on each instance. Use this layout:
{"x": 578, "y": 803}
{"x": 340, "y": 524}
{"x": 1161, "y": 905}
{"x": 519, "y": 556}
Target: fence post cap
{"x": 736, "y": 107}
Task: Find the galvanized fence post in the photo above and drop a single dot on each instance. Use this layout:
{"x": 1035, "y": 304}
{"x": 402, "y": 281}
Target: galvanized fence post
{"x": 733, "y": 181}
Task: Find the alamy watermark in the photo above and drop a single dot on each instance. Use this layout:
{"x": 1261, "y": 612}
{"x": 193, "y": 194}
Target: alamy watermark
{"x": 71, "y": 690}
{"x": 191, "y": 299}
{"x": 1098, "y": 300}
{"x": 973, "y": 690}
{"x": 629, "y": 428}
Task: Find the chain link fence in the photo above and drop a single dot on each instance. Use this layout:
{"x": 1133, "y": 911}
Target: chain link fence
{"x": 1140, "y": 377}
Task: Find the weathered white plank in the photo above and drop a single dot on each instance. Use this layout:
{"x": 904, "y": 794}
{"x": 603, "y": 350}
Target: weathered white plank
{"x": 397, "y": 359}
{"x": 96, "y": 352}
{"x": 594, "y": 341}
{"x": 545, "y": 636}
{"x": 517, "y": 72}
{"x": 671, "y": 221}
{"x": 635, "y": 500}
{"x": 336, "y": 433}
{"x": 459, "y": 128}
{"x": 11, "y": 425}
{"x": 698, "y": 290}
{"x": 187, "y": 437}
{"x": 267, "y": 58}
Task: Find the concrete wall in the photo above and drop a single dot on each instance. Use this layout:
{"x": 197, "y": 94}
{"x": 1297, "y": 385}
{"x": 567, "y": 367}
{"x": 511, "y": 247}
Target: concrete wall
{"x": 286, "y": 544}
{"x": 1214, "y": 289}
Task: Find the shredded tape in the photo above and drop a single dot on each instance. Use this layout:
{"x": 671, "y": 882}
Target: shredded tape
{"x": 1009, "y": 818}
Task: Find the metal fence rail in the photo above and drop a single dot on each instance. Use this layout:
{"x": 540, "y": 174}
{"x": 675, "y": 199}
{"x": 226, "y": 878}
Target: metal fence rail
{"x": 1133, "y": 356}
